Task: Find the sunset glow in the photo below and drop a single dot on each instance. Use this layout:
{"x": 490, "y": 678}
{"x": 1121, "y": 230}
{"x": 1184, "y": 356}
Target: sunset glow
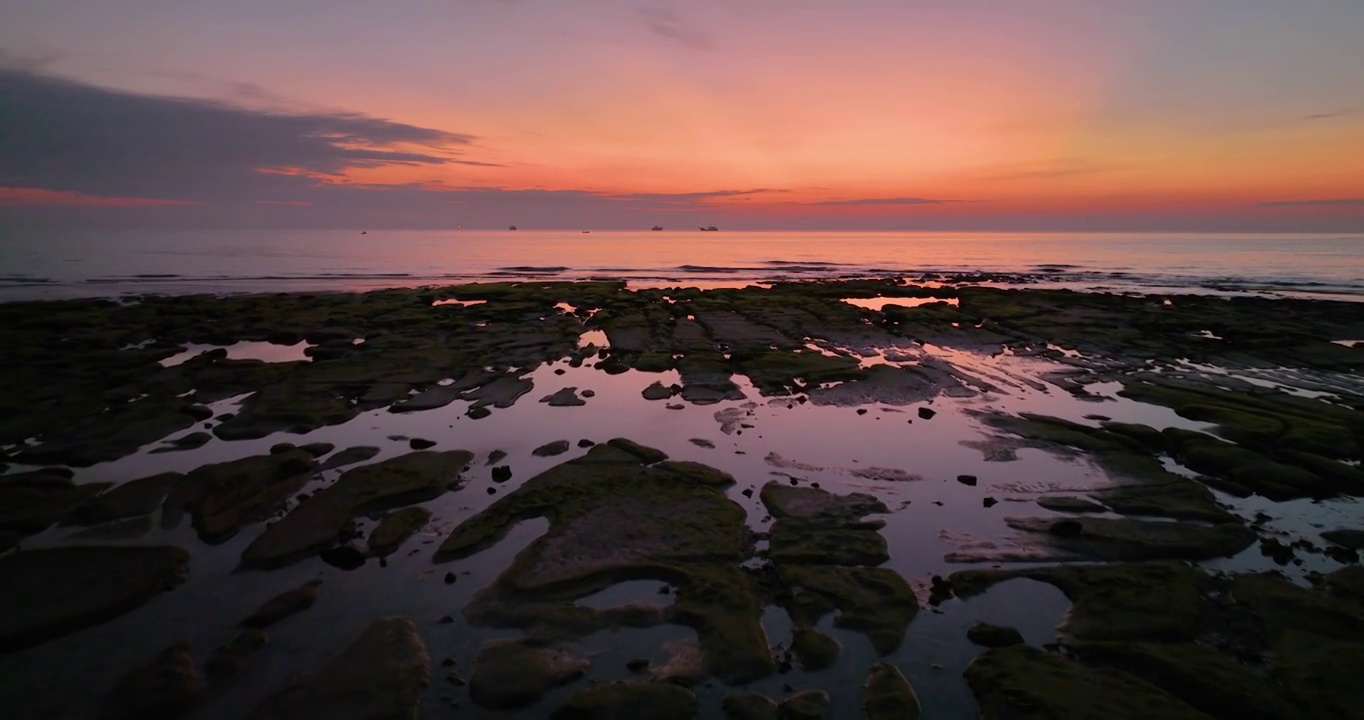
{"x": 1242, "y": 113}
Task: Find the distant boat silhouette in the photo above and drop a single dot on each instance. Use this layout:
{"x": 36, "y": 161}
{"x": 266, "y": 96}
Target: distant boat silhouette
{"x": 364, "y": 232}
{"x": 712, "y": 228}
{"x": 512, "y": 227}
{"x": 657, "y": 227}
{"x": 586, "y": 231}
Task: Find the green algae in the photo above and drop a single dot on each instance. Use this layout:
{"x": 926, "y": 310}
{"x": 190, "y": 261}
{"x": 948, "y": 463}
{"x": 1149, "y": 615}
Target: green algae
{"x": 1114, "y": 602}
{"x": 629, "y": 701}
{"x": 1025, "y": 683}
{"x": 622, "y": 512}
{"x": 395, "y": 528}
{"x": 222, "y": 498}
{"x": 316, "y": 524}
{"x": 887, "y": 695}
{"x": 512, "y": 674}
{"x": 815, "y": 650}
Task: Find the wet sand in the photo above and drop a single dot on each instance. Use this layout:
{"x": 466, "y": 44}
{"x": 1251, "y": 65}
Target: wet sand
{"x": 1220, "y": 434}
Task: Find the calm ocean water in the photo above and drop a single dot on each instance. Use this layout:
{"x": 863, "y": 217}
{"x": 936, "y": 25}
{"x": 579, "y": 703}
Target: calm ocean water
{"x": 85, "y": 264}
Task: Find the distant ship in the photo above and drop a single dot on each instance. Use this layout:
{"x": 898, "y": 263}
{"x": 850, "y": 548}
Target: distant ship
{"x": 657, "y": 228}
{"x": 712, "y": 228}
{"x": 364, "y": 232}
{"x": 586, "y": 231}
{"x": 512, "y": 227}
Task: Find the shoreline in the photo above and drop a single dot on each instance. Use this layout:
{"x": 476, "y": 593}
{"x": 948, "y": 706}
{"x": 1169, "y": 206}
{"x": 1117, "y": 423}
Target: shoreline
{"x": 838, "y": 452}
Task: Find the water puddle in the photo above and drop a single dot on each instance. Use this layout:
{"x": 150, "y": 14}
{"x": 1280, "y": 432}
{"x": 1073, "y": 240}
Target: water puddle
{"x": 459, "y": 303}
{"x": 879, "y": 303}
{"x": 246, "y": 350}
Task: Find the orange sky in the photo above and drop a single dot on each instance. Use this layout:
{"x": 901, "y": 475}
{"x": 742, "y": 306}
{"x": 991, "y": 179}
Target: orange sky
{"x": 1234, "y": 106}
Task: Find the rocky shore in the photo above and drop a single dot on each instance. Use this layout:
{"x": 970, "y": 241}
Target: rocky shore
{"x": 863, "y": 498}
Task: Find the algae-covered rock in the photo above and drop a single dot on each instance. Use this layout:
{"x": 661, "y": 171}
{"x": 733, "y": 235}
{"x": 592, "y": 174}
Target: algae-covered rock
{"x": 284, "y": 605}
{"x": 395, "y": 528}
{"x": 629, "y": 701}
{"x": 558, "y": 447}
{"x": 1114, "y": 602}
{"x": 992, "y": 636}
{"x": 379, "y": 675}
{"x": 317, "y": 524}
{"x": 622, "y": 512}
{"x": 749, "y": 706}
{"x": 818, "y": 527}
{"x": 874, "y": 601}
{"x": 131, "y": 499}
{"x": 1025, "y": 683}
{"x": 50, "y": 593}
{"x": 222, "y": 498}
{"x": 657, "y": 391}
{"x": 168, "y": 687}
{"x": 228, "y": 660}
{"x": 804, "y": 705}
{"x": 33, "y": 501}
{"x": 1070, "y": 504}
{"x": 815, "y": 649}
{"x": 1352, "y": 539}
{"x": 514, "y": 674}
{"x": 1128, "y": 539}
{"x": 349, "y": 456}
{"x": 887, "y": 695}
{"x": 1204, "y": 678}
{"x": 566, "y": 397}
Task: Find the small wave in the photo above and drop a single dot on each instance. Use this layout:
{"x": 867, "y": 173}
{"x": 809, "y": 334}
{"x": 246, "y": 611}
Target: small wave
{"x": 802, "y": 263}
{"x": 533, "y": 269}
{"x": 154, "y": 276}
{"x": 706, "y": 269}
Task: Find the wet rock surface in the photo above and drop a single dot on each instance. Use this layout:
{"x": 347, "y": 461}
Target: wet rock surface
{"x": 55, "y": 592}
{"x": 169, "y": 687}
{"x": 511, "y": 674}
{"x": 380, "y": 674}
{"x": 1158, "y": 442}
{"x": 316, "y": 524}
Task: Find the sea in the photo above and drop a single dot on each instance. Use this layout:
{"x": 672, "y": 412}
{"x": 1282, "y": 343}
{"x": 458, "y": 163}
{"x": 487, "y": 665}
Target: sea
{"x": 47, "y": 264}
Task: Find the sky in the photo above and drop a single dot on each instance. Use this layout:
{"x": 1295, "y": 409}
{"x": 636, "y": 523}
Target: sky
{"x": 1159, "y": 115}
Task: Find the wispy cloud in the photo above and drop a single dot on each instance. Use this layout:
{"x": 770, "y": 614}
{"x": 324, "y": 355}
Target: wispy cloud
{"x": 695, "y": 196}
{"x": 39, "y": 196}
{"x": 1331, "y": 114}
{"x": 887, "y": 201}
{"x": 1328, "y": 202}
{"x": 666, "y": 23}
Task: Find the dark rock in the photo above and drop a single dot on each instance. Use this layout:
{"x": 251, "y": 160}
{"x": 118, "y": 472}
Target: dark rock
{"x": 511, "y": 674}
{"x": 629, "y": 701}
{"x": 395, "y": 528}
{"x": 887, "y": 695}
{"x": 345, "y": 557}
{"x": 585, "y": 443}
{"x": 315, "y": 525}
{"x": 804, "y": 705}
{"x": 349, "y": 456}
{"x": 134, "y": 498}
{"x": 380, "y": 675}
{"x": 449, "y": 578}
{"x": 286, "y": 604}
{"x": 638, "y": 665}
{"x": 227, "y": 661}
{"x": 502, "y": 473}
{"x": 317, "y": 449}
{"x": 558, "y": 447}
{"x": 749, "y": 706}
{"x": 992, "y": 636}
{"x": 969, "y": 480}
{"x": 1352, "y": 539}
{"x": 170, "y": 687}
{"x": 495, "y": 457}
{"x": 927, "y": 413}
{"x": 1066, "y": 528}
{"x": 989, "y": 502}
{"x": 421, "y": 443}
{"x": 56, "y": 592}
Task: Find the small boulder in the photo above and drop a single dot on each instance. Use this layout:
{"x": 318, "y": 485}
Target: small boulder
{"x": 558, "y": 447}
{"x": 805, "y": 705}
{"x": 993, "y": 636}
{"x": 169, "y": 687}
{"x": 286, "y": 604}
